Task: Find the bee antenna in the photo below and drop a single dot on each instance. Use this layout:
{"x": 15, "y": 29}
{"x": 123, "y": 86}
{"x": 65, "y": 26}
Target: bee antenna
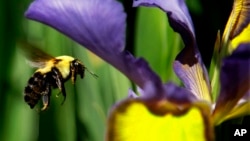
{"x": 93, "y": 74}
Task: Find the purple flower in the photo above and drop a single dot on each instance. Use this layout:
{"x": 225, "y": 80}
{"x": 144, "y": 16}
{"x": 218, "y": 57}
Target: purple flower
{"x": 99, "y": 25}
{"x": 234, "y": 75}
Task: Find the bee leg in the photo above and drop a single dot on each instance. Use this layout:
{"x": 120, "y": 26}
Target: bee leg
{"x": 59, "y": 82}
{"x": 46, "y": 97}
{"x": 73, "y": 73}
{"x": 46, "y": 100}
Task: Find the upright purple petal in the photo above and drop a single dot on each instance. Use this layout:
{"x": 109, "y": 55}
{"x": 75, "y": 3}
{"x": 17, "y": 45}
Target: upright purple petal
{"x": 98, "y": 25}
{"x": 239, "y": 18}
{"x": 188, "y": 64}
{"x": 237, "y": 25}
{"x": 189, "y": 67}
{"x": 176, "y": 10}
{"x": 235, "y": 81}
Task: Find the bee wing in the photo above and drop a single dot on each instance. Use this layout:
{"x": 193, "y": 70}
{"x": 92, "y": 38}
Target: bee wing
{"x": 36, "y": 57}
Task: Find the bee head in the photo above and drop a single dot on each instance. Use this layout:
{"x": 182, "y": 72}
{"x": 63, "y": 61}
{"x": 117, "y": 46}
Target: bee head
{"x": 78, "y": 67}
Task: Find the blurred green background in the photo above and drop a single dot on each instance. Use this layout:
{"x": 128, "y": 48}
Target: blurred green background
{"x": 83, "y": 116}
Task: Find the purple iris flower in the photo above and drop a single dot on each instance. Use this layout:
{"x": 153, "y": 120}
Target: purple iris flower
{"x": 99, "y": 26}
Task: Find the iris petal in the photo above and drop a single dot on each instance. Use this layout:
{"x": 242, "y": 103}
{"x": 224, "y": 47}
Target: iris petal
{"x": 178, "y": 94}
{"x": 98, "y": 25}
{"x": 238, "y": 24}
{"x": 169, "y": 91}
{"x": 243, "y": 37}
{"x": 188, "y": 64}
{"x": 176, "y": 10}
{"x": 240, "y": 110}
{"x": 190, "y": 69}
{"x": 178, "y": 15}
{"x": 235, "y": 81}
{"x": 83, "y": 20}
{"x": 135, "y": 119}
{"x": 239, "y": 18}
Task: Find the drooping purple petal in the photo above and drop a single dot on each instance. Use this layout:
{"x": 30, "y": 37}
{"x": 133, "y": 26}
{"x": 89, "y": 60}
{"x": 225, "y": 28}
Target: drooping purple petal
{"x": 235, "y": 81}
{"x": 137, "y": 70}
{"x": 98, "y": 25}
{"x": 188, "y": 64}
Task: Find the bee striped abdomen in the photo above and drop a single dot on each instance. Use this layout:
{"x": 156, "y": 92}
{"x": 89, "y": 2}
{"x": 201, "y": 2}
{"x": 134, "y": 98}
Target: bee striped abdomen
{"x": 36, "y": 88}
{"x": 52, "y": 72}
{"x": 53, "y": 75}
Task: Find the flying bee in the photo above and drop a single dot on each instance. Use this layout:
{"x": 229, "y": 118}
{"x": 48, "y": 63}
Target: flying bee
{"x": 52, "y": 72}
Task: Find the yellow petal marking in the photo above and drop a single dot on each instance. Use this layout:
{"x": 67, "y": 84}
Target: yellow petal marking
{"x": 197, "y": 82}
{"x": 243, "y": 37}
{"x": 137, "y": 123}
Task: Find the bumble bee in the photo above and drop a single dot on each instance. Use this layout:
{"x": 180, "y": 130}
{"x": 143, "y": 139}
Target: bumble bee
{"x": 52, "y": 72}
